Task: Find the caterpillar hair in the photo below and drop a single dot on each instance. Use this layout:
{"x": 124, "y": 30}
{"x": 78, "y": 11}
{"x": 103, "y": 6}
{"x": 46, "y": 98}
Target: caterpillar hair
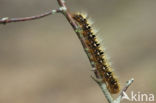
{"x": 98, "y": 56}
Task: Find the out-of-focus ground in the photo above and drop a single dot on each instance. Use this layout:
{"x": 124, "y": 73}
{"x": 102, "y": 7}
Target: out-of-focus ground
{"x": 42, "y": 61}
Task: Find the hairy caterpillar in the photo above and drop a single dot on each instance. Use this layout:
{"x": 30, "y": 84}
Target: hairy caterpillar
{"x": 98, "y": 56}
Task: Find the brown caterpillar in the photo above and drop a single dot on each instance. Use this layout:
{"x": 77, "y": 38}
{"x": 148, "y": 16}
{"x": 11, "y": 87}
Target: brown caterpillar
{"x": 101, "y": 63}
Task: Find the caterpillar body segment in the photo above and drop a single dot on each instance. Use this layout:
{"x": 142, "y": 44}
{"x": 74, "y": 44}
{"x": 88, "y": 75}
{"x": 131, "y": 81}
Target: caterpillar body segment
{"x": 98, "y": 56}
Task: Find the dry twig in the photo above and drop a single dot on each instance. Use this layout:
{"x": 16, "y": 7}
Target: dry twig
{"x": 64, "y": 10}
{"x": 6, "y": 20}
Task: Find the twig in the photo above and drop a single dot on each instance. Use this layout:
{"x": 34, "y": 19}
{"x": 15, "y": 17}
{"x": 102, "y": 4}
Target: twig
{"x": 127, "y": 85}
{"x": 106, "y": 92}
{"x": 104, "y": 89}
{"x": 64, "y": 10}
{"x": 76, "y": 28}
{"x": 118, "y": 100}
{"x": 6, "y": 20}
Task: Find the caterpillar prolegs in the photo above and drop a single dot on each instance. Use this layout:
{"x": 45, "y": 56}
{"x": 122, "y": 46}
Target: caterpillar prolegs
{"x": 98, "y": 56}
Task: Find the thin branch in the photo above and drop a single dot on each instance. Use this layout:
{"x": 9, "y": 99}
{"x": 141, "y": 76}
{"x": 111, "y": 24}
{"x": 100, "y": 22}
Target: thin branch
{"x": 104, "y": 89}
{"x": 76, "y": 28}
{"x": 107, "y": 93}
{"x": 118, "y": 100}
{"x": 126, "y": 87}
{"x": 6, "y": 20}
{"x": 64, "y": 10}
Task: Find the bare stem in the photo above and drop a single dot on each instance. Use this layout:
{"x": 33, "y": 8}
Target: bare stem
{"x": 118, "y": 100}
{"x": 64, "y": 10}
{"x": 127, "y": 85}
{"x": 104, "y": 89}
{"x": 76, "y": 28}
{"x": 6, "y": 20}
{"x": 107, "y": 93}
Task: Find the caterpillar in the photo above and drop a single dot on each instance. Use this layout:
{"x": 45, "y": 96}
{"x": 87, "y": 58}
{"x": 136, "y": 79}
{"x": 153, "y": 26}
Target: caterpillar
{"x": 98, "y": 55}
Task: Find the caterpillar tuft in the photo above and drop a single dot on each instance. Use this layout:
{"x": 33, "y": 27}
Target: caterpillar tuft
{"x": 98, "y": 55}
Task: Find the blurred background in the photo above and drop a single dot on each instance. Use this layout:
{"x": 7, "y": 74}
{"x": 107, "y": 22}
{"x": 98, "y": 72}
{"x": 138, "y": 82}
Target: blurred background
{"x": 43, "y": 61}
